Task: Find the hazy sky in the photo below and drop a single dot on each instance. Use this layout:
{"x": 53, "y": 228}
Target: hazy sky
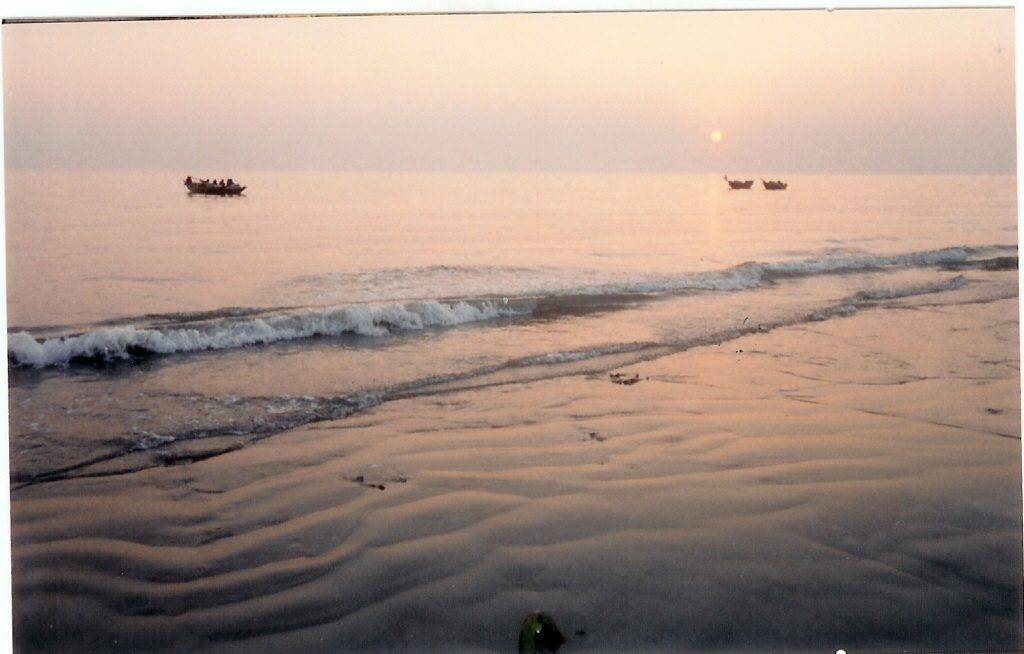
{"x": 790, "y": 91}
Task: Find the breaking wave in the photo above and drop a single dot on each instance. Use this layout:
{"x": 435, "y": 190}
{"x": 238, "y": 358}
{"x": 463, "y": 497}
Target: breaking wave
{"x": 235, "y": 328}
{"x": 125, "y": 342}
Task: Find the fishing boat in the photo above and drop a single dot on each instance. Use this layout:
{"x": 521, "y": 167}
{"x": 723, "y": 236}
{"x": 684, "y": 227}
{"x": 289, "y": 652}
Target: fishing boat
{"x": 774, "y": 185}
{"x": 736, "y": 185}
{"x": 212, "y": 187}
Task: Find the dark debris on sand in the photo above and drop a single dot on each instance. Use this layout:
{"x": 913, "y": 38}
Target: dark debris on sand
{"x": 362, "y": 481}
{"x": 623, "y": 380}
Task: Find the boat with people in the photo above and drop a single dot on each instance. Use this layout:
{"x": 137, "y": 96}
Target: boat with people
{"x": 737, "y": 185}
{"x": 774, "y": 185}
{"x": 213, "y": 186}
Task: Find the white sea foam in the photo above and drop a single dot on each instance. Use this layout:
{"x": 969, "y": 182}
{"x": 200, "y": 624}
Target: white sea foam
{"x": 113, "y": 343}
{"x": 150, "y": 440}
{"x": 874, "y": 295}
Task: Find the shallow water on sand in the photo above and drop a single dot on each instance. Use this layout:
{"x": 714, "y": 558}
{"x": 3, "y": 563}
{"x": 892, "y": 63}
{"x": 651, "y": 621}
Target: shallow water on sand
{"x": 197, "y": 384}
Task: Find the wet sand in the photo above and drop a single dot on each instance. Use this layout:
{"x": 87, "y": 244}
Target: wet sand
{"x": 849, "y": 483}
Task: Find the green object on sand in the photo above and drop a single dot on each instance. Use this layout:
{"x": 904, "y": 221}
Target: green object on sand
{"x": 539, "y": 634}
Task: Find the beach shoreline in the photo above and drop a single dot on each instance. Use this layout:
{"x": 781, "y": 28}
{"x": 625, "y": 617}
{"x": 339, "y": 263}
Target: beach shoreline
{"x": 853, "y": 482}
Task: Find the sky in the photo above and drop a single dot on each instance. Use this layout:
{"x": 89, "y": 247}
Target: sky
{"x": 854, "y": 91}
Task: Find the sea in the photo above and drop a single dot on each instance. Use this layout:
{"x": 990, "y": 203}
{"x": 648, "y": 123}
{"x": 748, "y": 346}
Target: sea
{"x": 146, "y": 324}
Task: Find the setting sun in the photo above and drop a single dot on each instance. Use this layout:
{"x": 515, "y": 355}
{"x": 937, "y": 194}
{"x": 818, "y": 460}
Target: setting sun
{"x": 716, "y": 136}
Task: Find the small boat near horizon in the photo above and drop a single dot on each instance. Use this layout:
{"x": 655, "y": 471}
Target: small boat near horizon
{"x": 213, "y": 187}
{"x": 774, "y": 185}
{"x": 738, "y": 185}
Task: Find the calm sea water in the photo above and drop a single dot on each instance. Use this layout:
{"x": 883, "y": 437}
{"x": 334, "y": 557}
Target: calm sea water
{"x": 89, "y": 246}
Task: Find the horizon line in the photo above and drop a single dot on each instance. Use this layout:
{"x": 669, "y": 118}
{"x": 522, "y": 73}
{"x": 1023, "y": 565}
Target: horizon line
{"x": 552, "y": 171}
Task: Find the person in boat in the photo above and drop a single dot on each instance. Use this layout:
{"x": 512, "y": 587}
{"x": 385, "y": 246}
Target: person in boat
{"x": 231, "y": 182}
{"x": 188, "y": 180}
